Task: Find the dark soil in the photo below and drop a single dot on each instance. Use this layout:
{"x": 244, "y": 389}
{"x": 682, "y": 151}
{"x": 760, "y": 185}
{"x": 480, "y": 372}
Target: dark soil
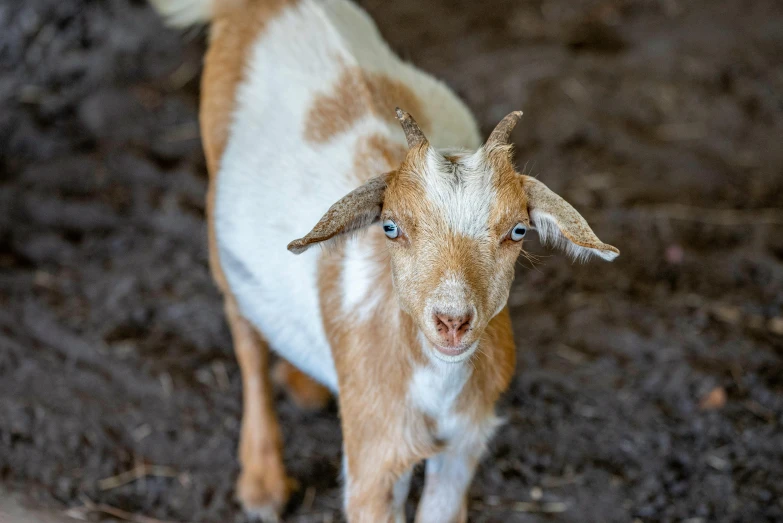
{"x": 653, "y": 118}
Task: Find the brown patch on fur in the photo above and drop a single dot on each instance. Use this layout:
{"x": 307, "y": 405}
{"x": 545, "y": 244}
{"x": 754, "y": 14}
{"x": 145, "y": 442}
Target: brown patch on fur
{"x": 494, "y": 368}
{"x": 235, "y": 25}
{"x": 356, "y": 94}
{"x": 377, "y": 154}
{"x": 301, "y": 388}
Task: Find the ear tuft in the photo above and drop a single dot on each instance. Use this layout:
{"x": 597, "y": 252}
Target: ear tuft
{"x": 549, "y": 233}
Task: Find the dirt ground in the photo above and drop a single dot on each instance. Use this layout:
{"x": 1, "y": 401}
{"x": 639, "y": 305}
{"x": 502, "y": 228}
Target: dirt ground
{"x": 649, "y": 389}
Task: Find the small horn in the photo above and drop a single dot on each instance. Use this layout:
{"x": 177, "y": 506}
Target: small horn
{"x": 411, "y": 129}
{"x": 502, "y": 132}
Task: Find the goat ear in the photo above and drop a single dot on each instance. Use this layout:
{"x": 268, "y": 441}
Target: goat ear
{"x": 358, "y": 209}
{"x": 558, "y": 223}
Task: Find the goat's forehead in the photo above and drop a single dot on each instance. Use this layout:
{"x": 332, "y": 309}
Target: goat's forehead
{"x": 462, "y": 188}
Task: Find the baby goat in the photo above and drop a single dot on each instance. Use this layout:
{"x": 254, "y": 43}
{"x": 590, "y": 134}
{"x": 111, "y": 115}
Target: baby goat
{"x": 407, "y": 321}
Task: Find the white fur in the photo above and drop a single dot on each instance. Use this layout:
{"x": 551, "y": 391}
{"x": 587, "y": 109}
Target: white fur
{"x": 434, "y": 390}
{"x": 273, "y": 186}
{"x": 463, "y": 192}
{"x": 549, "y": 233}
{"x": 359, "y": 277}
{"x": 400, "y": 494}
{"x": 448, "y": 476}
{"x": 184, "y": 13}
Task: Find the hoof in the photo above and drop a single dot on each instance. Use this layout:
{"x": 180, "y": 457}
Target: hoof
{"x": 262, "y": 497}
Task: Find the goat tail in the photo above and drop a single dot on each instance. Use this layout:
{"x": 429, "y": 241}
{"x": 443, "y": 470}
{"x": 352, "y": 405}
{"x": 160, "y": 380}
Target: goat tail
{"x": 185, "y": 13}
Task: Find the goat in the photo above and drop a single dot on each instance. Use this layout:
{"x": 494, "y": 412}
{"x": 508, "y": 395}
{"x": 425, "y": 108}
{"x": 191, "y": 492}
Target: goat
{"x": 406, "y": 323}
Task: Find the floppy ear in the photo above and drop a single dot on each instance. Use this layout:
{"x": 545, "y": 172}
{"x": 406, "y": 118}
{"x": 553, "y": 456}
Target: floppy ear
{"x": 358, "y": 209}
{"x": 558, "y": 223}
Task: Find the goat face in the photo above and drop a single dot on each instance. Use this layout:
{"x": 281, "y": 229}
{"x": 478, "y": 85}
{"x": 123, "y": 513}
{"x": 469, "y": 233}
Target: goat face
{"x": 455, "y": 225}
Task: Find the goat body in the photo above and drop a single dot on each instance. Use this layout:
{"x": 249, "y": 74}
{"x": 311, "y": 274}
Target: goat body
{"x": 407, "y": 326}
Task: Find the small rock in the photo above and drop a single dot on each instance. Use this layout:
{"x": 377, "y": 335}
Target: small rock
{"x": 674, "y": 254}
{"x": 714, "y": 400}
{"x": 727, "y": 314}
{"x": 775, "y": 325}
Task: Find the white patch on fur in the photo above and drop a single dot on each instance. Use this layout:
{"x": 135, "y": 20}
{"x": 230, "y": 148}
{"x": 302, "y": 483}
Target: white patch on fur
{"x": 184, "y": 13}
{"x": 434, "y": 388}
{"x": 447, "y": 478}
{"x": 448, "y": 474}
{"x": 462, "y": 191}
{"x": 549, "y": 233}
{"x": 359, "y": 279}
{"x": 346, "y": 480}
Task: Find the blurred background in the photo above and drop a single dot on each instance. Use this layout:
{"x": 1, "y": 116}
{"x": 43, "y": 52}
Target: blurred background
{"x": 650, "y": 389}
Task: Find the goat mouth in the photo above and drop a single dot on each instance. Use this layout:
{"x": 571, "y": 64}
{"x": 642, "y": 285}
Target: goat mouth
{"x": 451, "y": 351}
{"x": 454, "y": 354}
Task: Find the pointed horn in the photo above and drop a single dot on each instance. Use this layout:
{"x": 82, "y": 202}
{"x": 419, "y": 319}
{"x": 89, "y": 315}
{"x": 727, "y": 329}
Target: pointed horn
{"x": 502, "y": 132}
{"x": 411, "y": 129}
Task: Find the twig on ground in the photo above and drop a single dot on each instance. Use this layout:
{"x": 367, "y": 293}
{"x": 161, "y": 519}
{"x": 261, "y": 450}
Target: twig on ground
{"x": 137, "y": 472}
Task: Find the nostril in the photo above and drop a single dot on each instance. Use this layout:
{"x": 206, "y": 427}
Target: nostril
{"x": 452, "y": 327}
{"x": 441, "y": 323}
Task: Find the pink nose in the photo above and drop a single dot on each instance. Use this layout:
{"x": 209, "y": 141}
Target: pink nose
{"x": 452, "y": 328}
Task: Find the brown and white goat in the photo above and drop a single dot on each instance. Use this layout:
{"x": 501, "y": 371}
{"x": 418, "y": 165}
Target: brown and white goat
{"x": 405, "y": 322}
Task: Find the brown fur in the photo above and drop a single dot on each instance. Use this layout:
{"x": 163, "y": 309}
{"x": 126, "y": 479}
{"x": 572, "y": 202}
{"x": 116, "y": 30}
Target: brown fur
{"x": 494, "y": 368}
{"x": 306, "y": 393}
{"x": 376, "y": 154}
{"x": 356, "y": 94}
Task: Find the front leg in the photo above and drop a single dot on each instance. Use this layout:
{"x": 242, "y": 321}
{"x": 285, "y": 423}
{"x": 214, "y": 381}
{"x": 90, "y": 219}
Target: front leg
{"x": 447, "y": 478}
{"x": 375, "y": 493}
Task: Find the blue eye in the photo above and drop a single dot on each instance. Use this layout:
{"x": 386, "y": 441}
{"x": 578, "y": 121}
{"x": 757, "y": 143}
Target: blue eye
{"x": 391, "y": 229}
{"x": 518, "y": 232}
